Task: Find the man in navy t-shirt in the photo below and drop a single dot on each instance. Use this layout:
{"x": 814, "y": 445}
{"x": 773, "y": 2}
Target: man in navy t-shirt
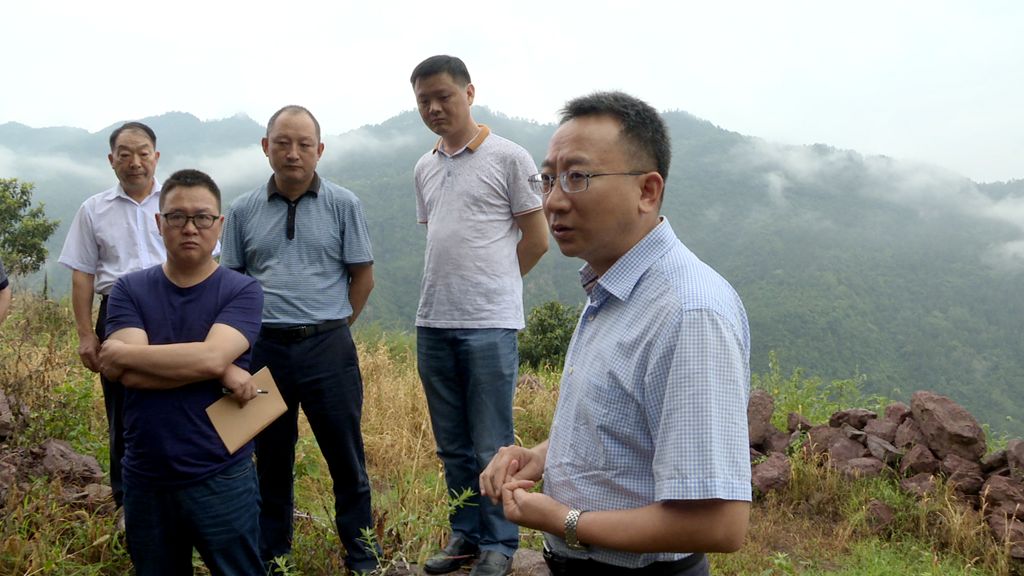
{"x": 179, "y": 334}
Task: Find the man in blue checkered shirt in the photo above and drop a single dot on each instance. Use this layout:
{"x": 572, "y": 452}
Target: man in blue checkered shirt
{"x": 647, "y": 463}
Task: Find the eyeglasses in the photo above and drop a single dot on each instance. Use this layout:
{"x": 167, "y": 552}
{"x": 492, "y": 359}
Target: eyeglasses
{"x": 180, "y": 219}
{"x": 572, "y": 181}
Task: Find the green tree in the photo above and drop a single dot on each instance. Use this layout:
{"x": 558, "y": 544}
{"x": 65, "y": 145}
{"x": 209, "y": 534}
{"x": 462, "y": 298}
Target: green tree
{"x": 24, "y": 229}
{"x": 549, "y": 329}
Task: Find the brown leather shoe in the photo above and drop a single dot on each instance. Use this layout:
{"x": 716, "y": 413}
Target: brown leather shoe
{"x": 459, "y": 551}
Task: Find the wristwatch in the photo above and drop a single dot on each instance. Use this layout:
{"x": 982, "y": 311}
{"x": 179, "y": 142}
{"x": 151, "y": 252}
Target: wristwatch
{"x": 571, "y": 520}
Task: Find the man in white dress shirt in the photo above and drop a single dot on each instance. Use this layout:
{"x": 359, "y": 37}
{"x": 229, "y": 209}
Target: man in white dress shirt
{"x": 114, "y": 233}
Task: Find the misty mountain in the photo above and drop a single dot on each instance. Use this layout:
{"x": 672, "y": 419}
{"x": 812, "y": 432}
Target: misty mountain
{"x": 905, "y": 273}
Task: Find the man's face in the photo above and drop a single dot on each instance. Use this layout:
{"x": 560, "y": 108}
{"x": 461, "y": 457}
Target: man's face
{"x": 444, "y": 104}
{"x": 603, "y": 222}
{"x": 189, "y": 245}
{"x": 293, "y": 149}
{"x": 134, "y": 160}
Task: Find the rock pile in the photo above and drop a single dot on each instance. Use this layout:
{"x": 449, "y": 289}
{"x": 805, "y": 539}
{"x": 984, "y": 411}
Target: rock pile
{"x": 932, "y": 437}
{"x": 81, "y": 476}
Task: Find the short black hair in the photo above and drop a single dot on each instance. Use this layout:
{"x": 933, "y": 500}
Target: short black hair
{"x": 442, "y": 64}
{"x": 294, "y": 109}
{"x": 189, "y": 177}
{"x": 642, "y": 127}
{"x": 132, "y": 126}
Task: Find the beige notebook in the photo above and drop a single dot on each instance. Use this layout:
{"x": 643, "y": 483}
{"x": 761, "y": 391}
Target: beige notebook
{"x": 236, "y": 424}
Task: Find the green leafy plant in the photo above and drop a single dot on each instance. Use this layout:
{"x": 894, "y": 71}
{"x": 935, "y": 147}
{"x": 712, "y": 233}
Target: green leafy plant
{"x": 545, "y": 341}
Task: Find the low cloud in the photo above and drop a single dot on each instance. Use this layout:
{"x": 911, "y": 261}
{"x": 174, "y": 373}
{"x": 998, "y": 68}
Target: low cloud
{"x": 33, "y": 167}
{"x": 927, "y": 189}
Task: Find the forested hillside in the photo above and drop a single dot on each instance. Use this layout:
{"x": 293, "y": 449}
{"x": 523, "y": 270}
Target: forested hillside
{"x": 849, "y": 265}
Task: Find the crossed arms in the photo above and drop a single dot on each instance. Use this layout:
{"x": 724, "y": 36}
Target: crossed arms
{"x": 128, "y": 357}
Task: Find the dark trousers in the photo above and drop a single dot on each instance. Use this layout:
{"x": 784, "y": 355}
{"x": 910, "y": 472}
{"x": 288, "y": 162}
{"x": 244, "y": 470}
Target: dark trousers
{"x": 693, "y": 565}
{"x": 218, "y": 517}
{"x": 113, "y": 401}
{"x": 321, "y": 374}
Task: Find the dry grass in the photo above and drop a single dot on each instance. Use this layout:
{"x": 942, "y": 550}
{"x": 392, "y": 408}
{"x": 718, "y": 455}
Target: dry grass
{"x": 817, "y": 526}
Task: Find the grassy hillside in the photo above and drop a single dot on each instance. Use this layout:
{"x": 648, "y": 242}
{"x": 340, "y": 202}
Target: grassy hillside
{"x": 819, "y": 526}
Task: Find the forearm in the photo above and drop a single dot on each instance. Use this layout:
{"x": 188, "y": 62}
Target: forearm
{"x": 180, "y": 363}
{"x": 534, "y": 240}
{"x": 675, "y": 526}
{"x": 142, "y": 381}
{"x": 82, "y": 296}
{"x": 529, "y": 255}
{"x": 359, "y": 289}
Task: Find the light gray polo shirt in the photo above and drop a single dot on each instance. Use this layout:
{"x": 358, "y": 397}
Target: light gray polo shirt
{"x": 469, "y": 201}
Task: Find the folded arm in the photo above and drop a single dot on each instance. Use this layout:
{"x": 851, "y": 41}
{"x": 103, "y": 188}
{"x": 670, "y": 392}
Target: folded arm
{"x": 128, "y": 356}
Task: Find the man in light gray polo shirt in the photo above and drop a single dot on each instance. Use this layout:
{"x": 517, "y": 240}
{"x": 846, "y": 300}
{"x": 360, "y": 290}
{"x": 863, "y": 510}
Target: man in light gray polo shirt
{"x": 485, "y": 230}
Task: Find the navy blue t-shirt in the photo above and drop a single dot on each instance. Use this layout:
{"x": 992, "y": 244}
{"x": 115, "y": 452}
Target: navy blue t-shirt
{"x": 169, "y": 439}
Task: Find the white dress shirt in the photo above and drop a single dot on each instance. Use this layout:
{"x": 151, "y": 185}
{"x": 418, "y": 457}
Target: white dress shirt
{"x": 113, "y": 235}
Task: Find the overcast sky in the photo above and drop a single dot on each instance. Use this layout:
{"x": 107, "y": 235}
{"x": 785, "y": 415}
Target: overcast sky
{"x": 939, "y": 82}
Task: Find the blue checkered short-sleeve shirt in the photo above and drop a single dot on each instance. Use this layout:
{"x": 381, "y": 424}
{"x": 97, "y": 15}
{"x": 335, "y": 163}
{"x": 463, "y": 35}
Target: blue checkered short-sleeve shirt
{"x": 653, "y": 402}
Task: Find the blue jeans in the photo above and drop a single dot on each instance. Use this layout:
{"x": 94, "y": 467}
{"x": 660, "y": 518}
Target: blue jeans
{"x": 469, "y": 377}
{"x": 321, "y": 374}
{"x": 219, "y": 517}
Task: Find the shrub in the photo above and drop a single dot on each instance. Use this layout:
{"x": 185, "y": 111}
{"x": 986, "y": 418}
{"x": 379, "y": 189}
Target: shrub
{"x": 545, "y": 340}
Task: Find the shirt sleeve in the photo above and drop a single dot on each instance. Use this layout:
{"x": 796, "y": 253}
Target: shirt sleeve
{"x": 244, "y": 310}
{"x": 80, "y": 251}
{"x": 355, "y": 241}
{"x": 521, "y": 196}
{"x": 421, "y": 205}
{"x": 122, "y": 309}
{"x": 698, "y": 415}
{"x": 231, "y": 250}
{"x": 3, "y": 276}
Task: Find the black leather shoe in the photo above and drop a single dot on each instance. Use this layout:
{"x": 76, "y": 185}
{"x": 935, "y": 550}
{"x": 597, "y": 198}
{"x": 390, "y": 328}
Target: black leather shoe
{"x": 459, "y": 551}
{"x": 492, "y": 563}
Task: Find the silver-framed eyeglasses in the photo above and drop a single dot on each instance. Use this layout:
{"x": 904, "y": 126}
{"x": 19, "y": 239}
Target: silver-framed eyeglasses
{"x": 180, "y": 219}
{"x": 572, "y": 181}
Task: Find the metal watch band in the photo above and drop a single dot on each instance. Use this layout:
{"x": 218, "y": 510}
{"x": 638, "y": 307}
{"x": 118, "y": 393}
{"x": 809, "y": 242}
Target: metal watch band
{"x": 571, "y": 520}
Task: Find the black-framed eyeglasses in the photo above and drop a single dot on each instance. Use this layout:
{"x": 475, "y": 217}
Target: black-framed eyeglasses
{"x": 180, "y": 219}
{"x": 572, "y": 181}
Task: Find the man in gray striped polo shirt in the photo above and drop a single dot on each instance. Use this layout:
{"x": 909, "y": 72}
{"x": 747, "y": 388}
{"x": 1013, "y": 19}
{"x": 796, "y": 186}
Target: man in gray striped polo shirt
{"x": 305, "y": 240}
{"x": 485, "y": 230}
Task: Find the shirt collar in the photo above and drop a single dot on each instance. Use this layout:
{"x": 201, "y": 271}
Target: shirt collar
{"x": 154, "y": 193}
{"x": 473, "y": 144}
{"x": 314, "y": 188}
{"x": 625, "y": 273}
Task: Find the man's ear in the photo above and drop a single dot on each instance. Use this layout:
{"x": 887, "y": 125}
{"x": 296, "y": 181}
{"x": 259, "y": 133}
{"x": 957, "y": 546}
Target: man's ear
{"x": 652, "y": 189}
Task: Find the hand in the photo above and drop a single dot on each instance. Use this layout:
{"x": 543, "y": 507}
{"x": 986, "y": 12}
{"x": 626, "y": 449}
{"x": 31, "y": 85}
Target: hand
{"x": 89, "y": 351}
{"x": 510, "y": 463}
{"x": 532, "y": 509}
{"x": 107, "y": 361}
{"x": 240, "y": 383}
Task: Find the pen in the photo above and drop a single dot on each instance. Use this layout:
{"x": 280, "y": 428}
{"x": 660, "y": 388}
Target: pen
{"x": 258, "y": 391}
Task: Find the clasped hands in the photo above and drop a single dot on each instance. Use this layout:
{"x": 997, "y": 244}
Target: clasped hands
{"x": 507, "y": 480}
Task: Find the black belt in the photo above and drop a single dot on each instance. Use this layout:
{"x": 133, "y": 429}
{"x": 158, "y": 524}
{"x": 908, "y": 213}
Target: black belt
{"x": 563, "y": 566}
{"x": 295, "y": 333}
